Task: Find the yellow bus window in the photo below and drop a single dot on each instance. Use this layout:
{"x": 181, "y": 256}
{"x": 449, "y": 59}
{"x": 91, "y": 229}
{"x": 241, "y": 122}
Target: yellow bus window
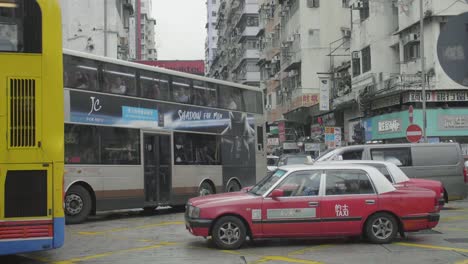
{"x": 20, "y": 26}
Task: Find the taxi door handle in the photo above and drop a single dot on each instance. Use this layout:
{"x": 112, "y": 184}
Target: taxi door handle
{"x": 313, "y": 203}
{"x": 370, "y": 201}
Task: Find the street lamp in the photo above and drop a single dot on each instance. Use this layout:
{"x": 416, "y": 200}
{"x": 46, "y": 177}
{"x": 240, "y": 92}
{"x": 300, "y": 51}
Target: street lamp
{"x": 423, "y": 70}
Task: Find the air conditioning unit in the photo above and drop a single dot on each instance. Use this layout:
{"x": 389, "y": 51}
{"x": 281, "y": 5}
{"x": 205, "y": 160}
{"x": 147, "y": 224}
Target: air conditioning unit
{"x": 290, "y": 39}
{"x": 268, "y": 107}
{"x": 293, "y": 73}
{"x": 284, "y": 45}
{"x": 355, "y": 55}
{"x": 347, "y": 33}
{"x": 276, "y": 58}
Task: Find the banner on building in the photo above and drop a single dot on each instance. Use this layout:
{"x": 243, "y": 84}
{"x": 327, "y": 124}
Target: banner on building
{"x": 333, "y": 137}
{"x": 324, "y": 94}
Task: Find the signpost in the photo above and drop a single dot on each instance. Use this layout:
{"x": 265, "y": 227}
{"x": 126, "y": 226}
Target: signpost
{"x": 414, "y": 133}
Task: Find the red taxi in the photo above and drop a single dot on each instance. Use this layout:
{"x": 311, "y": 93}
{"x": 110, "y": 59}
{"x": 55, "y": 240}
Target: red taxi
{"x": 399, "y": 179}
{"x": 314, "y": 201}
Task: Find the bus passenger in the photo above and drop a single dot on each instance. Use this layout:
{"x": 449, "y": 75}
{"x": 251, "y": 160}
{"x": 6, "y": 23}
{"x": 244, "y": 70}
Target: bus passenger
{"x": 119, "y": 86}
{"x": 81, "y": 80}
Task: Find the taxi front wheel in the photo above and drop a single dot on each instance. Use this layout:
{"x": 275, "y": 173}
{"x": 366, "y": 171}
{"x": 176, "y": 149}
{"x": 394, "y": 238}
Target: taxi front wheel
{"x": 381, "y": 228}
{"x": 229, "y": 232}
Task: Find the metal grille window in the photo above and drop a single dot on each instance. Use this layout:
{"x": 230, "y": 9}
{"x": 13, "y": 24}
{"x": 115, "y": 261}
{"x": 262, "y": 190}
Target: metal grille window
{"x": 22, "y": 113}
{"x": 411, "y": 51}
{"x": 313, "y": 3}
{"x": 364, "y": 10}
{"x": 356, "y": 67}
{"x": 366, "y": 59}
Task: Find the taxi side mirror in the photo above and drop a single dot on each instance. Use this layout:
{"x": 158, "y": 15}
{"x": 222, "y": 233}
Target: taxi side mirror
{"x": 277, "y": 193}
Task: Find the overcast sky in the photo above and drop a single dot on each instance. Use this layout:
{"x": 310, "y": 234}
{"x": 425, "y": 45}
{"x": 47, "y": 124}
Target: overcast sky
{"x": 180, "y": 29}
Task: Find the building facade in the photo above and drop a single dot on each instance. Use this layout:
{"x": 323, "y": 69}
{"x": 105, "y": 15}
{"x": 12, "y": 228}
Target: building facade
{"x": 211, "y": 32}
{"x": 97, "y": 27}
{"x": 237, "y": 50}
{"x": 109, "y": 28}
{"x": 301, "y": 41}
{"x": 142, "y": 32}
{"x": 386, "y": 71}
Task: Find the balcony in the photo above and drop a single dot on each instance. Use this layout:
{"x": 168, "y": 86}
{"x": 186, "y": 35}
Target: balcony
{"x": 248, "y": 32}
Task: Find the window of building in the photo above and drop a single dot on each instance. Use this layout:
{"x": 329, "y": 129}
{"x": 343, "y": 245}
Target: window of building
{"x": 213, "y": 2}
{"x": 213, "y": 13}
{"x": 119, "y": 79}
{"x": 196, "y": 149}
{"x": 364, "y": 10}
{"x": 101, "y": 145}
{"x": 154, "y": 85}
{"x": 80, "y": 73}
{"x": 348, "y": 182}
{"x": 411, "y": 51}
{"x": 313, "y": 3}
{"x": 398, "y": 156}
{"x": 181, "y": 90}
{"x": 356, "y": 67}
{"x": 20, "y": 27}
{"x": 345, "y": 3}
{"x": 366, "y": 59}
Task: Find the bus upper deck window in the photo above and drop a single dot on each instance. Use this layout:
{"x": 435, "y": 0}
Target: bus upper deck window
{"x": 20, "y": 26}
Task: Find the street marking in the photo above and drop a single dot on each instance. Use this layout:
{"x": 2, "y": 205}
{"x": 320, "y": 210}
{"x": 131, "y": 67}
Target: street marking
{"x": 285, "y": 259}
{"x": 432, "y": 247}
{"x": 454, "y": 218}
{"x": 110, "y": 253}
{"x": 96, "y": 233}
{"x": 307, "y": 249}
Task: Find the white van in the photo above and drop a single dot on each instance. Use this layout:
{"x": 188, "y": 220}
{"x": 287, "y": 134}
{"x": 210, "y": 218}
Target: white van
{"x": 442, "y": 162}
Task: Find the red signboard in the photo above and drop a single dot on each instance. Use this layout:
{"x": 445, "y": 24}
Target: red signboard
{"x": 413, "y": 133}
{"x": 187, "y": 66}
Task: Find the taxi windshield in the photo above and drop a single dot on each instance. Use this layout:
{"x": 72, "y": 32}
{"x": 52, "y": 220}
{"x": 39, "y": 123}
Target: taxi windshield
{"x": 266, "y": 183}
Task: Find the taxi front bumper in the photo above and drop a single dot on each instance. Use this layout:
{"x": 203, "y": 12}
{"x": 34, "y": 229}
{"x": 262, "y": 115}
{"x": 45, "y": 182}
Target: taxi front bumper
{"x": 198, "y": 227}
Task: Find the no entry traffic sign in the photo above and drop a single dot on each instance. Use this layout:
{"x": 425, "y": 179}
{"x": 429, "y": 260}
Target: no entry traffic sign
{"x": 413, "y": 133}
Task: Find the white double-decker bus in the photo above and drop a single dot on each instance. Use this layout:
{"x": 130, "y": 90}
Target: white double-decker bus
{"x": 138, "y": 136}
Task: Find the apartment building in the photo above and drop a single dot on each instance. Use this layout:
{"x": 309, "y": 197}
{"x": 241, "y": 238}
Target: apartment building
{"x": 237, "y": 51}
{"x": 142, "y": 32}
{"x": 301, "y": 42}
{"x": 386, "y": 71}
{"x": 211, "y": 32}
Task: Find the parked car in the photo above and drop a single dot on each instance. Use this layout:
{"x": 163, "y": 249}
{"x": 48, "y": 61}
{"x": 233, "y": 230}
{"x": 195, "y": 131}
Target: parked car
{"x": 314, "y": 201}
{"x": 293, "y": 159}
{"x": 398, "y": 178}
{"x": 272, "y": 163}
{"x": 441, "y": 162}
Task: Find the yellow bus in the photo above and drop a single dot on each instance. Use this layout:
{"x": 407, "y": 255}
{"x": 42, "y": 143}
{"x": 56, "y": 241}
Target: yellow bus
{"x": 31, "y": 126}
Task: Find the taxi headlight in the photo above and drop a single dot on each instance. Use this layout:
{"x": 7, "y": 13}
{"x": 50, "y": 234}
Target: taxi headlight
{"x": 193, "y": 212}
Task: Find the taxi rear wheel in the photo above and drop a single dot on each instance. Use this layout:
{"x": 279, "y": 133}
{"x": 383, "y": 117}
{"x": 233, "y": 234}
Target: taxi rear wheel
{"x": 381, "y": 228}
{"x": 229, "y": 232}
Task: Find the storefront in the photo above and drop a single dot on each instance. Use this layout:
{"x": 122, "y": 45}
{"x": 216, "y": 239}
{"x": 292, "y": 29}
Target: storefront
{"x": 443, "y": 125}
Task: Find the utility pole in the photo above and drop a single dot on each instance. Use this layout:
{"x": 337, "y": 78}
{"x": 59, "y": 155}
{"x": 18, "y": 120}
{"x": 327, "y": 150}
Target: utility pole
{"x": 423, "y": 70}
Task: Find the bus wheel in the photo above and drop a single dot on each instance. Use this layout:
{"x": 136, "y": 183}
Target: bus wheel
{"x": 233, "y": 186}
{"x": 205, "y": 189}
{"x": 77, "y": 205}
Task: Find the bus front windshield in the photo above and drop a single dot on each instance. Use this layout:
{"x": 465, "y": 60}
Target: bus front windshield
{"x": 265, "y": 184}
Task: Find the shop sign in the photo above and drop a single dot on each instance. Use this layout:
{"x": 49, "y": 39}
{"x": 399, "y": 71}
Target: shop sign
{"x": 436, "y": 96}
{"x": 312, "y": 147}
{"x": 389, "y": 126}
{"x": 273, "y": 141}
{"x": 453, "y": 122}
{"x": 386, "y": 102}
{"x": 333, "y": 137}
{"x": 290, "y": 145}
